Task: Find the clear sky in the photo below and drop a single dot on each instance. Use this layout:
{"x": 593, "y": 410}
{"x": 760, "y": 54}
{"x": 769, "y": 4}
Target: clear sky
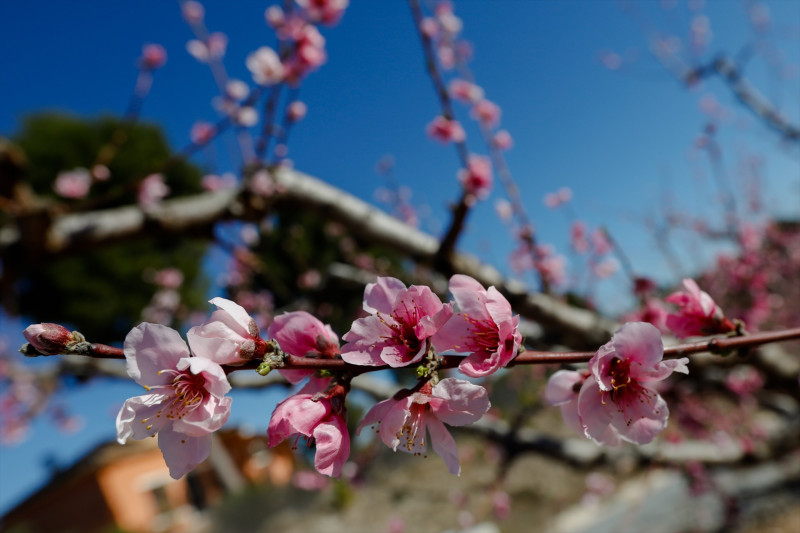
{"x": 619, "y": 139}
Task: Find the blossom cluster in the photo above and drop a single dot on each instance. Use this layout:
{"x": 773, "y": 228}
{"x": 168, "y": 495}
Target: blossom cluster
{"x": 404, "y": 326}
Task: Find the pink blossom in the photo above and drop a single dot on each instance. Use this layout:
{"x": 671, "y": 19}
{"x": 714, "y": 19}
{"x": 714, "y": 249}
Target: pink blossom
{"x": 309, "y": 54}
{"x": 429, "y": 27}
{"x": 400, "y": 323}
{"x": 407, "y": 418}
{"x": 477, "y": 178}
{"x": 48, "y": 338}
{"x": 300, "y": 334}
{"x": 606, "y": 269}
{"x": 445, "y": 130}
{"x": 193, "y": 12}
{"x": 465, "y": 91}
{"x": 504, "y": 209}
{"x": 578, "y": 237}
{"x": 274, "y": 16}
{"x": 484, "y": 327}
{"x": 211, "y": 49}
{"x": 100, "y": 172}
{"x": 296, "y": 111}
{"x": 600, "y": 242}
{"x": 327, "y": 12}
{"x": 202, "y": 132}
{"x": 185, "y": 400}
{"x": 318, "y": 413}
{"x": 262, "y": 184}
{"x": 73, "y": 184}
{"x": 502, "y": 140}
{"x": 170, "y": 278}
{"x": 558, "y": 198}
{"x": 229, "y": 336}
{"x": 152, "y": 190}
{"x": 153, "y": 57}
{"x": 562, "y": 390}
{"x": 265, "y": 66}
{"x": 486, "y": 112}
{"x": 652, "y": 312}
{"x": 615, "y": 402}
{"x": 698, "y": 314}
{"x": 212, "y": 182}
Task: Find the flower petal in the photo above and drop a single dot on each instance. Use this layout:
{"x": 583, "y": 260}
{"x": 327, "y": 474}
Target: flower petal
{"x": 464, "y": 402}
{"x": 139, "y": 417}
{"x": 333, "y": 446}
{"x": 444, "y": 444}
{"x": 561, "y": 387}
{"x": 380, "y": 297}
{"x": 150, "y": 348}
{"x": 181, "y": 452}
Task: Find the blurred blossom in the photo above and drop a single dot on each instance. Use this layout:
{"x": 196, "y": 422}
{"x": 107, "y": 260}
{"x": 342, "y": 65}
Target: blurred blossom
{"x": 502, "y": 140}
{"x": 610, "y": 60}
{"x": 274, "y": 16}
{"x": 211, "y": 49}
{"x": 486, "y": 112}
{"x": 310, "y": 481}
{"x": 504, "y": 209}
{"x": 262, "y": 184}
{"x": 249, "y": 234}
{"x": 101, "y": 172}
{"x": 202, "y": 132}
{"x": 606, "y": 269}
{"x": 501, "y": 504}
{"x": 265, "y": 66}
{"x": 212, "y": 182}
{"x": 152, "y": 190}
{"x": 237, "y": 90}
{"x": 465, "y": 91}
{"x": 429, "y": 27}
{"x": 73, "y": 183}
{"x": 477, "y": 178}
{"x": 296, "y": 111}
{"x": 445, "y": 130}
{"x": 153, "y": 57}
{"x": 193, "y": 12}
{"x": 246, "y": 116}
{"x": 327, "y": 12}
{"x": 169, "y": 278}
{"x": 744, "y": 380}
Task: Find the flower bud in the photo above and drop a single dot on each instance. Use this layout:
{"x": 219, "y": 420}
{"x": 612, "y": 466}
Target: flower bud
{"x": 49, "y": 339}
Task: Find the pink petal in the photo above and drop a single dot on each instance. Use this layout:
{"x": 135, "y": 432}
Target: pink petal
{"x": 641, "y": 418}
{"x": 594, "y": 416}
{"x": 561, "y": 387}
{"x": 444, "y": 444}
{"x": 665, "y": 369}
{"x": 641, "y": 343}
{"x": 480, "y": 364}
{"x": 333, "y": 446}
{"x": 238, "y": 313}
{"x": 297, "y": 333}
{"x": 382, "y": 295}
{"x": 181, "y": 452}
{"x": 216, "y": 379}
{"x": 376, "y": 414}
{"x": 206, "y": 418}
{"x": 150, "y": 348}
{"x": 464, "y": 402}
{"x": 139, "y": 413}
{"x": 497, "y": 306}
{"x": 470, "y": 296}
{"x": 296, "y": 414}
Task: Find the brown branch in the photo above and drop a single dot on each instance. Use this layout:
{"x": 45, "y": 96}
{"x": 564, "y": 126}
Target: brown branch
{"x": 291, "y": 362}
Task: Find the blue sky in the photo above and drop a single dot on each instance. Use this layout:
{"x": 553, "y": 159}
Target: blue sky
{"x": 619, "y": 139}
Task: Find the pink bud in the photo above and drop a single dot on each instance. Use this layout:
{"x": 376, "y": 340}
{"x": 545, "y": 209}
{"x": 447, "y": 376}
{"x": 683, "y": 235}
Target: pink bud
{"x": 49, "y": 339}
{"x": 153, "y": 56}
{"x": 296, "y": 111}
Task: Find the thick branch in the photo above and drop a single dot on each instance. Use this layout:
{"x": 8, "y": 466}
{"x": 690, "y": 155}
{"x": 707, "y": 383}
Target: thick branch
{"x": 73, "y": 232}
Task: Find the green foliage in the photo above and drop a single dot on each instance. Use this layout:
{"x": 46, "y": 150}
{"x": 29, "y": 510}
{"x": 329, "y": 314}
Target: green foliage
{"x": 102, "y": 292}
{"x": 55, "y": 143}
